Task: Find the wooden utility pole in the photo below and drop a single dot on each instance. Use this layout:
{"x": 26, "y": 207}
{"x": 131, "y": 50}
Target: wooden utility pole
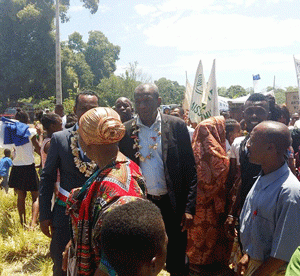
{"x": 58, "y": 59}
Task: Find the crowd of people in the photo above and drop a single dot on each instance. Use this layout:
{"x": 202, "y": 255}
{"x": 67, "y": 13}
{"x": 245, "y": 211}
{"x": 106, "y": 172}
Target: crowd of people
{"x": 133, "y": 189}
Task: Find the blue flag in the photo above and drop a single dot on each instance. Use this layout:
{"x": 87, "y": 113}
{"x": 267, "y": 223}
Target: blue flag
{"x": 256, "y": 77}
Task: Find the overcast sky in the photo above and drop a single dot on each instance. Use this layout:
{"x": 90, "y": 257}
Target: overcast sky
{"x": 169, "y": 37}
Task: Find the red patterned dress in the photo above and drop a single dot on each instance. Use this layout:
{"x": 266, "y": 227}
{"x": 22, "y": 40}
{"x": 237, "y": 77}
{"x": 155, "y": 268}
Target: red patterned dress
{"x": 207, "y": 243}
{"x": 86, "y": 205}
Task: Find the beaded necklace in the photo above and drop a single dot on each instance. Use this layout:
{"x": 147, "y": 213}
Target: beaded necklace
{"x": 84, "y": 167}
{"x": 137, "y": 146}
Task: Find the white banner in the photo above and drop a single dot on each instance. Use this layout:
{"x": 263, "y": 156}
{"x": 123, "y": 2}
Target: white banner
{"x": 187, "y": 95}
{"x": 211, "y": 95}
{"x": 197, "y": 106}
{"x": 297, "y": 67}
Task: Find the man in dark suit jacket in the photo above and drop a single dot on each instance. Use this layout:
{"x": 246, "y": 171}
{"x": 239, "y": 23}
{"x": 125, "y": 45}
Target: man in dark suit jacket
{"x": 55, "y": 223}
{"x": 160, "y": 144}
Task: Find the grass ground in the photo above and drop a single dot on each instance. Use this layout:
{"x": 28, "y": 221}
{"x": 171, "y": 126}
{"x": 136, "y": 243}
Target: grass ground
{"x": 22, "y": 251}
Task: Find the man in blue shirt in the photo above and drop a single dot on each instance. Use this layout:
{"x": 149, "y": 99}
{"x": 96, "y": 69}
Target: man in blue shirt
{"x": 271, "y": 212}
{"x": 5, "y": 164}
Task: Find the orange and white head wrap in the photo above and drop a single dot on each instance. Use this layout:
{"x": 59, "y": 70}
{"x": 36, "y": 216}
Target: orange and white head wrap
{"x": 101, "y": 126}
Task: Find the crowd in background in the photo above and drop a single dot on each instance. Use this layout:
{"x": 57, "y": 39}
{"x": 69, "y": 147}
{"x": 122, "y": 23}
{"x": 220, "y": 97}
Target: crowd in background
{"x": 125, "y": 190}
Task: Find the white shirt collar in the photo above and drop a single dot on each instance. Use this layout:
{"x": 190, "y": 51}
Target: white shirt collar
{"x": 140, "y": 124}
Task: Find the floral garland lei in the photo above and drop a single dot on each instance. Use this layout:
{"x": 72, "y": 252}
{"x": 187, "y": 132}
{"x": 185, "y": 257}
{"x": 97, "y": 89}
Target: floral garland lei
{"x": 137, "y": 146}
{"x": 87, "y": 168}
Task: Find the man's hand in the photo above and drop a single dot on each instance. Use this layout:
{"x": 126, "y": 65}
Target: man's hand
{"x": 66, "y": 256}
{"x": 46, "y": 227}
{"x": 243, "y": 264}
{"x": 229, "y": 227}
{"x": 186, "y": 222}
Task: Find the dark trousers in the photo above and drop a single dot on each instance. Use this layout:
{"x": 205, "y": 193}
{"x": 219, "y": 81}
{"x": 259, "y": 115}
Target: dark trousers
{"x": 60, "y": 238}
{"x": 176, "y": 257}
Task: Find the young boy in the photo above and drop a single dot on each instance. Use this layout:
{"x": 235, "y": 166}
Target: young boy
{"x": 233, "y": 130}
{"x": 134, "y": 239}
{"x": 5, "y": 164}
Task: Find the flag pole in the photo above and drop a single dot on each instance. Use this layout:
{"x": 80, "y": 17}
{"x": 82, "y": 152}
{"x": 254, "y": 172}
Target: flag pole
{"x": 58, "y": 57}
{"x": 186, "y": 78}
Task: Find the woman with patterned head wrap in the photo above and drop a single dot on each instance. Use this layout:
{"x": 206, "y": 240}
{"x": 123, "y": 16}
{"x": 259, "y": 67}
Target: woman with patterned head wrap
{"x": 100, "y": 130}
{"x": 208, "y": 248}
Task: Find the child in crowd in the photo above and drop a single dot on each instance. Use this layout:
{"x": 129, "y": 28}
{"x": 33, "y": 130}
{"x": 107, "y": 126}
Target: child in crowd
{"x": 134, "y": 239}
{"x": 5, "y": 164}
{"x": 233, "y": 130}
{"x": 51, "y": 123}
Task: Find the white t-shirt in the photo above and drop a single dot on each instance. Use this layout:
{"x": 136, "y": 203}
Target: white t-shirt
{"x": 64, "y": 121}
{"x": 24, "y": 154}
{"x": 227, "y": 147}
{"x": 191, "y": 132}
{"x": 235, "y": 149}
{"x": 297, "y": 124}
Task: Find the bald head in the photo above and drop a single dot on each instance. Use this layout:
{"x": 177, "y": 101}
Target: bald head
{"x": 148, "y": 88}
{"x": 147, "y": 100}
{"x": 276, "y": 133}
{"x": 268, "y": 145}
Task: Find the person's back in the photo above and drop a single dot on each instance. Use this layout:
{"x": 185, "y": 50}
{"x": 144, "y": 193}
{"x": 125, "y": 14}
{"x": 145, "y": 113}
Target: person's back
{"x": 134, "y": 240}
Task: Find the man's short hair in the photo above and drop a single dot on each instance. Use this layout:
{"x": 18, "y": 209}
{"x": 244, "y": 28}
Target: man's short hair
{"x": 257, "y": 97}
{"x": 88, "y": 93}
{"x": 230, "y": 125}
{"x": 59, "y": 106}
{"x": 22, "y": 116}
{"x": 181, "y": 110}
{"x": 7, "y": 152}
{"x": 49, "y": 119}
{"x": 131, "y": 235}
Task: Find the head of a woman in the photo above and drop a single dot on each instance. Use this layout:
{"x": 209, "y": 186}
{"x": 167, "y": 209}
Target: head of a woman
{"x": 22, "y": 116}
{"x": 100, "y": 128}
{"x": 51, "y": 122}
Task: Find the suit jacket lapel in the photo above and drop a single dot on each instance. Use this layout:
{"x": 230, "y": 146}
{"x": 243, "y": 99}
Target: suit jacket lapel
{"x": 165, "y": 132}
{"x": 131, "y": 142}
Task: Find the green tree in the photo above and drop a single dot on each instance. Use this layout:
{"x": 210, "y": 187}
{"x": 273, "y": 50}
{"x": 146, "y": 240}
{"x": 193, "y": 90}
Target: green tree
{"x": 170, "y": 91}
{"x": 76, "y": 73}
{"x": 291, "y": 89}
{"x": 222, "y": 91}
{"x": 235, "y": 91}
{"x": 76, "y": 43}
{"x": 27, "y": 50}
{"x": 91, "y": 5}
{"x": 280, "y": 95}
{"x": 110, "y": 89}
{"x": 101, "y": 55}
